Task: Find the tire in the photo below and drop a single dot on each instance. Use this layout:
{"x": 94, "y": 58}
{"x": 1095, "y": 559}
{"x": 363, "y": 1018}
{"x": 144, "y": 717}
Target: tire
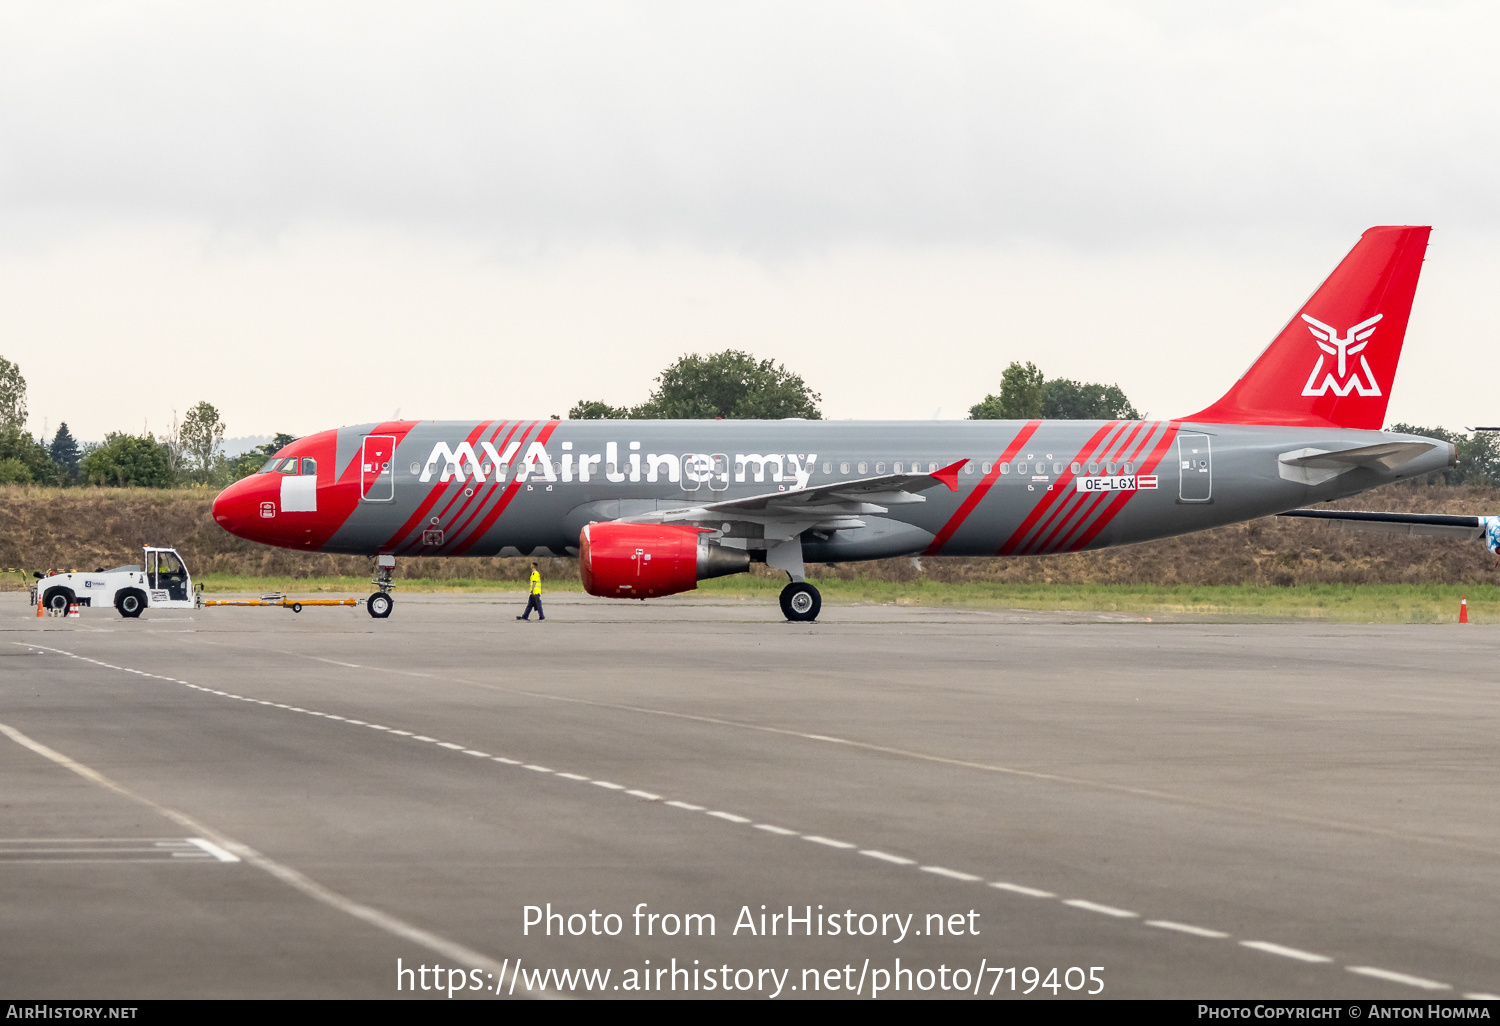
{"x": 296, "y": 607}
{"x": 379, "y": 605}
{"x": 130, "y": 603}
{"x": 800, "y": 602}
{"x": 59, "y": 599}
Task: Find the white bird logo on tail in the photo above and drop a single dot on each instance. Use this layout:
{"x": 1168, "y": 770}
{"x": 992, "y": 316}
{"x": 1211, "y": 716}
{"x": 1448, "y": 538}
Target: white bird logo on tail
{"x": 1352, "y": 344}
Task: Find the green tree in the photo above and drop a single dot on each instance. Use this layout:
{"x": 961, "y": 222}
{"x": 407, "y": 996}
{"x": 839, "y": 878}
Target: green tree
{"x": 1064, "y": 399}
{"x": 592, "y": 409}
{"x": 1026, "y": 395}
{"x": 128, "y": 460}
{"x": 202, "y": 439}
{"x": 26, "y": 460}
{"x": 732, "y": 385}
{"x": 1478, "y": 454}
{"x": 12, "y": 395}
{"x": 247, "y": 463}
{"x": 1020, "y": 395}
{"x": 65, "y": 452}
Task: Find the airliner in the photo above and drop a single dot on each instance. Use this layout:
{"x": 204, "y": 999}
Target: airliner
{"x": 652, "y": 507}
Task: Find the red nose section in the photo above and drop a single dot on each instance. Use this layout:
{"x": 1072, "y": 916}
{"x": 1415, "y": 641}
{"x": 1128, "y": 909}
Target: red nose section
{"x": 242, "y": 507}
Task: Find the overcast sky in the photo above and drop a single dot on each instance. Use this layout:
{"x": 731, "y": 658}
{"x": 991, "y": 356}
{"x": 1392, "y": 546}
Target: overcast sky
{"x": 315, "y": 214}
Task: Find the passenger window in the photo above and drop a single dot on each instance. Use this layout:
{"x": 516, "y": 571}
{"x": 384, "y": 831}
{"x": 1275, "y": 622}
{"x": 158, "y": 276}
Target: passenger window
{"x": 1004, "y": 468}
{"x": 864, "y": 468}
{"x": 969, "y": 468}
{"x": 1020, "y": 468}
{"x": 1109, "y": 468}
{"x": 828, "y": 468}
{"x": 1093, "y": 468}
{"x": 931, "y": 468}
{"x": 1129, "y": 468}
{"x": 843, "y": 468}
{"x": 880, "y": 468}
{"x": 897, "y": 469}
{"x": 1077, "y": 468}
{"x": 309, "y": 467}
{"x": 1057, "y": 468}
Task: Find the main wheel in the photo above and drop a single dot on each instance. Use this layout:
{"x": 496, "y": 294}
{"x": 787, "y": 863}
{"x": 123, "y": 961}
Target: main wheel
{"x": 58, "y": 600}
{"x": 130, "y": 602}
{"x": 379, "y": 605}
{"x": 800, "y": 601}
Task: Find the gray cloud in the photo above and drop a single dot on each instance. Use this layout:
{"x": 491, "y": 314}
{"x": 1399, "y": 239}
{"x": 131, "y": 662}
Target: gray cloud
{"x": 765, "y": 126}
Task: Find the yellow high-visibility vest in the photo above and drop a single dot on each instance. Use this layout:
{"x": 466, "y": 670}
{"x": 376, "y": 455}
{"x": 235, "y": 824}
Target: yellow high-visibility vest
{"x": 536, "y": 582}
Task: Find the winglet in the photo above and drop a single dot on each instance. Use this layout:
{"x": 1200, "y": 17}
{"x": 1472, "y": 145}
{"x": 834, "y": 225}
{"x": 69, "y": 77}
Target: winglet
{"x": 949, "y": 474}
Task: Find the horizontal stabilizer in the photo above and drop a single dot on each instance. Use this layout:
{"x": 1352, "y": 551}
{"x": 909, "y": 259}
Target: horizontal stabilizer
{"x": 1439, "y": 525}
{"x": 1388, "y": 455}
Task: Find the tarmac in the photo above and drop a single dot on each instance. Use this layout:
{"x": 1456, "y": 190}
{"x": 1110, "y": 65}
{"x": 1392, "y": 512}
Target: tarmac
{"x": 249, "y": 802}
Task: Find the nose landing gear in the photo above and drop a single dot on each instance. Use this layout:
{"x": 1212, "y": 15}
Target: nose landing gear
{"x": 380, "y": 604}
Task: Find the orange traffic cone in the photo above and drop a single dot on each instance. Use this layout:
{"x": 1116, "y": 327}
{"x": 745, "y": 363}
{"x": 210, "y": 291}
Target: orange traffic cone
{"x": 39, "y": 603}
{"x": 73, "y": 611}
{"x": 1463, "y": 609}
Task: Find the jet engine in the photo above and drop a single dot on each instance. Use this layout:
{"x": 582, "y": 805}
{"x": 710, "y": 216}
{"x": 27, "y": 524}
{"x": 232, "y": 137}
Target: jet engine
{"x": 646, "y": 560}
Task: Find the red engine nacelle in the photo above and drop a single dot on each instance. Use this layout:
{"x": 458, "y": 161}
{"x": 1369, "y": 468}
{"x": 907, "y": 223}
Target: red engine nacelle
{"x": 646, "y": 560}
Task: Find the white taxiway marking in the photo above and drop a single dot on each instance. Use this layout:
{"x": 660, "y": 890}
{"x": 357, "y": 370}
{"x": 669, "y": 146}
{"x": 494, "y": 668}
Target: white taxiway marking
{"x": 1196, "y": 931}
{"x": 1386, "y": 974}
{"x": 645, "y": 794}
{"x": 482, "y": 755}
{"x": 450, "y": 744}
{"x": 1030, "y": 892}
{"x": 816, "y": 839}
{"x": 1094, "y": 906}
{"x": 538, "y": 769}
{"x": 1286, "y": 952}
{"x": 399, "y": 928}
{"x": 213, "y": 849}
{"x": 1266, "y": 946}
{"x": 951, "y": 874}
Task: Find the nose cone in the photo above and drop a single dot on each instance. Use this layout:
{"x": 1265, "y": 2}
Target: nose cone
{"x": 238, "y": 507}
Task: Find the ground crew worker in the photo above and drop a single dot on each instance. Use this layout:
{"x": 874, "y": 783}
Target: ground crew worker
{"x": 534, "y": 600}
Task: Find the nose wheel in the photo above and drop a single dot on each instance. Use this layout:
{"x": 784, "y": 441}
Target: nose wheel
{"x": 379, "y": 605}
{"x": 800, "y": 602}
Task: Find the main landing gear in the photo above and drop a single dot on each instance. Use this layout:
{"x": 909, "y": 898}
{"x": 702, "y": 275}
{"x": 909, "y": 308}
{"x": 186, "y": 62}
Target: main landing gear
{"x": 800, "y": 602}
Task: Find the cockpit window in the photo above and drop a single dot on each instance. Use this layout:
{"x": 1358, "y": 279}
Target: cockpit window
{"x": 271, "y": 464}
{"x": 309, "y": 467}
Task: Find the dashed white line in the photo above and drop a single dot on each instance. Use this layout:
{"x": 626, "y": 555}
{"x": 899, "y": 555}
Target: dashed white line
{"x": 1094, "y": 906}
{"x": 1196, "y": 931}
{"x": 1386, "y": 974}
{"x": 1030, "y": 892}
{"x": 222, "y": 854}
{"x": 951, "y": 874}
{"x": 818, "y": 839}
{"x": 1286, "y": 952}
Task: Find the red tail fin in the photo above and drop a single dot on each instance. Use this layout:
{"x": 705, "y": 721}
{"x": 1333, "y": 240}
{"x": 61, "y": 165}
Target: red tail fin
{"x": 1334, "y": 364}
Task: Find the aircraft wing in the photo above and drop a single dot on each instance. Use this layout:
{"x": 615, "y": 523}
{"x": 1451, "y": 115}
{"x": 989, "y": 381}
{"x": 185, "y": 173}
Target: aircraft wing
{"x": 1432, "y": 524}
{"x": 827, "y": 507}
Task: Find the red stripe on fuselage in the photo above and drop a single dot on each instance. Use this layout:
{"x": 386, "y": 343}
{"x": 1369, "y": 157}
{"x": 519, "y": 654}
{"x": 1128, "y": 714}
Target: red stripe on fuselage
{"x": 1085, "y": 510}
{"x": 505, "y": 499}
{"x": 396, "y": 540}
{"x": 484, "y": 492}
{"x": 981, "y": 489}
{"x": 1049, "y": 497}
{"x": 1060, "y": 517}
{"x": 1118, "y": 502}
